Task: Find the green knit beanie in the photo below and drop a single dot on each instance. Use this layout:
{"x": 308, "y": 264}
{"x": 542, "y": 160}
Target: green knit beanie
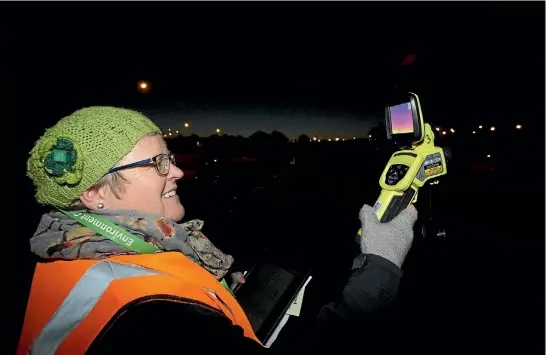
{"x": 79, "y": 150}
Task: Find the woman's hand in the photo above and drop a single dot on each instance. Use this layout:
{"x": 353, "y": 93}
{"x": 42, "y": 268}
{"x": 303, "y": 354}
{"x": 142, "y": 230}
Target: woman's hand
{"x": 391, "y": 240}
{"x": 236, "y": 278}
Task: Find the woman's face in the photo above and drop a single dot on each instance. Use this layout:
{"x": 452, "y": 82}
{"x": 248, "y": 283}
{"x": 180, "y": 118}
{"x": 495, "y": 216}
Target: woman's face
{"x": 146, "y": 190}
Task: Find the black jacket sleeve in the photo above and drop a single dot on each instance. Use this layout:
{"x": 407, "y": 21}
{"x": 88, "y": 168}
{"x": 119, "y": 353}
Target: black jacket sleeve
{"x": 170, "y": 328}
{"x": 363, "y": 312}
{"x": 372, "y": 287}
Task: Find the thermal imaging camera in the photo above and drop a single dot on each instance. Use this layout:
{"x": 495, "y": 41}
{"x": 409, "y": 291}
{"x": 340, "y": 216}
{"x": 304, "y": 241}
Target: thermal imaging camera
{"x": 417, "y": 162}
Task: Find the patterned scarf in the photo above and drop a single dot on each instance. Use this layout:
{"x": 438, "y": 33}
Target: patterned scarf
{"x": 60, "y": 237}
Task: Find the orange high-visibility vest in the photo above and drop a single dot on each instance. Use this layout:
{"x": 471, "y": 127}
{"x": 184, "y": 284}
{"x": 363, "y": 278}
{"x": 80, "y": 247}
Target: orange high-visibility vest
{"x": 71, "y": 301}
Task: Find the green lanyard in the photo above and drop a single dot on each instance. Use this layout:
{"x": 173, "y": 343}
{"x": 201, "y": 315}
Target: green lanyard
{"x": 117, "y": 234}
{"x": 109, "y": 230}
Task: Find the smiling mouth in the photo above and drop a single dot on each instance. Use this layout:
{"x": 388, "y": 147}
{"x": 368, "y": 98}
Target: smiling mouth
{"x": 169, "y": 194}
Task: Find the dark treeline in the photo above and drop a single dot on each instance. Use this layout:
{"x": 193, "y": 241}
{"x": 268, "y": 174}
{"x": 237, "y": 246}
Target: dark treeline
{"x": 470, "y": 149}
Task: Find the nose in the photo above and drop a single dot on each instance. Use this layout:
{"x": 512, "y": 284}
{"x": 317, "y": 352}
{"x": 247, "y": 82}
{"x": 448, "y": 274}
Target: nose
{"x": 175, "y": 172}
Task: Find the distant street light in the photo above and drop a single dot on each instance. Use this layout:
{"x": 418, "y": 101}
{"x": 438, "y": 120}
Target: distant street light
{"x": 143, "y": 86}
{"x": 452, "y": 130}
{"x": 217, "y": 130}
{"x": 492, "y": 129}
{"x": 473, "y": 132}
{"x": 518, "y": 126}
{"x": 480, "y": 127}
{"x": 489, "y": 155}
{"x": 186, "y": 124}
{"x": 444, "y": 133}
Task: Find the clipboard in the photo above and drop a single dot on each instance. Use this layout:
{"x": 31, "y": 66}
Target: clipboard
{"x": 268, "y": 294}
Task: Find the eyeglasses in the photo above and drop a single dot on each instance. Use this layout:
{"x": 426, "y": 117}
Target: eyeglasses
{"x": 162, "y": 163}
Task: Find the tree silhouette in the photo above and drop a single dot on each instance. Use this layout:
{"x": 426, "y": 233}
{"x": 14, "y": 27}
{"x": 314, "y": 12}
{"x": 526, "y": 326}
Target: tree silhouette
{"x": 260, "y": 143}
{"x": 378, "y": 132}
{"x": 279, "y": 138}
{"x": 304, "y": 139}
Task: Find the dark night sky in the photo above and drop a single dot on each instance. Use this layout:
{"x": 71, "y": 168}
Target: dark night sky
{"x": 315, "y": 68}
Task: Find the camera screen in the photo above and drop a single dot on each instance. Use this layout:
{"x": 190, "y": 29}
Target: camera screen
{"x": 401, "y": 118}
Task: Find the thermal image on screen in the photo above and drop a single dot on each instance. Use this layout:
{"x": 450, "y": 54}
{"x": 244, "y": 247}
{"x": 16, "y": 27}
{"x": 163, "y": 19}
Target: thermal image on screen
{"x": 401, "y": 118}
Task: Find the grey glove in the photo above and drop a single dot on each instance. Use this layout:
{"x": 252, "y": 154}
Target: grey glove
{"x": 391, "y": 240}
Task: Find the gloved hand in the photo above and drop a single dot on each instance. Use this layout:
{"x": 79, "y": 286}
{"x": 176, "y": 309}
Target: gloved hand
{"x": 391, "y": 240}
{"x": 236, "y": 278}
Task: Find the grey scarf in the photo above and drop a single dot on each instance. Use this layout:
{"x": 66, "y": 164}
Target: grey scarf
{"x": 60, "y": 237}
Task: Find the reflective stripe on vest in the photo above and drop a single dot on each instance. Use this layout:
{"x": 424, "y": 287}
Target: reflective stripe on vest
{"x": 80, "y": 301}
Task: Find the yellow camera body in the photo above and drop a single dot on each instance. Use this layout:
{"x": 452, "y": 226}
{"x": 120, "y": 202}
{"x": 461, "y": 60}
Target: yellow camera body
{"x": 410, "y": 168}
{"x": 406, "y": 172}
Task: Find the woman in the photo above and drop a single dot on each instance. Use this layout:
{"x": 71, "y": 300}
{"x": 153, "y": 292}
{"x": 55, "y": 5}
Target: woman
{"x": 119, "y": 274}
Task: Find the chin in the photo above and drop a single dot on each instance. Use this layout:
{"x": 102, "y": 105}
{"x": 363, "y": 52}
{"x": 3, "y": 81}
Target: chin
{"x": 175, "y": 214}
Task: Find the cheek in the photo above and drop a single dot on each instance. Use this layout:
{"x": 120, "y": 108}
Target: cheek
{"x": 153, "y": 187}
{"x": 145, "y": 194}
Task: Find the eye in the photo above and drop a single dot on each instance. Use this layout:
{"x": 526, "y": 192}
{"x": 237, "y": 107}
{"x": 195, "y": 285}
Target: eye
{"x": 165, "y": 162}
